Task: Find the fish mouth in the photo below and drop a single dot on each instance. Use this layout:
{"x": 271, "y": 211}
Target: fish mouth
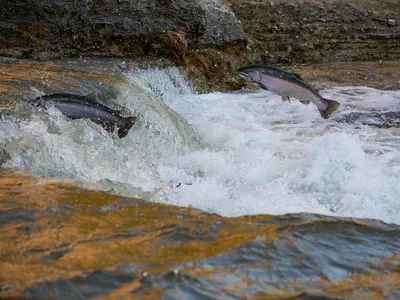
{"x": 244, "y": 75}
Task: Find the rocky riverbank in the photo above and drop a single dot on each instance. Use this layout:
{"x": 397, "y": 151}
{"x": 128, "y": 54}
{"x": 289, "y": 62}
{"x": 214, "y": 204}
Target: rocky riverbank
{"x": 319, "y": 39}
{"x": 54, "y": 29}
{"x": 323, "y": 31}
{"x": 209, "y": 39}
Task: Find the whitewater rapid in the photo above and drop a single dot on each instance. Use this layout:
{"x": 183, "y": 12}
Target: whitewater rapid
{"x": 258, "y": 155}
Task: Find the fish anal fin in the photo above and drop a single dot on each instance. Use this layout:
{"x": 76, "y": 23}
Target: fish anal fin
{"x": 125, "y": 125}
{"x": 285, "y": 98}
{"x": 106, "y": 126}
{"x": 332, "y": 107}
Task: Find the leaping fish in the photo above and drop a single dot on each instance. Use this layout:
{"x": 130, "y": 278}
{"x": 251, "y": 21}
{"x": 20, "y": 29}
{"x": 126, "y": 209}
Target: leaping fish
{"x": 286, "y": 85}
{"x": 78, "y": 107}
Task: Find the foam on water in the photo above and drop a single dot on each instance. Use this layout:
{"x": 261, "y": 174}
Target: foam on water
{"x": 259, "y": 155}
{"x": 274, "y": 157}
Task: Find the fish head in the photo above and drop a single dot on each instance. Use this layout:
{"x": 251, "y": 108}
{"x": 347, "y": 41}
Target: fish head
{"x": 251, "y": 75}
{"x": 39, "y": 101}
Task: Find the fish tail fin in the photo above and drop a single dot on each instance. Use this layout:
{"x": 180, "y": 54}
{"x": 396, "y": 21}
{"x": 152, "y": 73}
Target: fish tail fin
{"x": 332, "y": 107}
{"x": 125, "y": 125}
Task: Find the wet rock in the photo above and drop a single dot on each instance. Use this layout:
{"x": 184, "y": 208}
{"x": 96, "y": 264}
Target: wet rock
{"x": 46, "y": 28}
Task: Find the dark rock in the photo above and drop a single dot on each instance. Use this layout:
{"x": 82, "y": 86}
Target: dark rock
{"x": 46, "y": 28}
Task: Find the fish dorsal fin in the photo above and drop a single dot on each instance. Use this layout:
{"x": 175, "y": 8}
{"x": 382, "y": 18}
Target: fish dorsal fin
{"x": 298, "y": 76}
{"x": 92, "y": 98}
{"x": 93, "y": 95}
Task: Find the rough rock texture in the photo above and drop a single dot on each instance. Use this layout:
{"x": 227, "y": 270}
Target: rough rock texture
{"x": 204, "y": 36}
{"x": 295, "y": 33}
{"x": 49, "y": 28}
{"x": 315, "y": 31}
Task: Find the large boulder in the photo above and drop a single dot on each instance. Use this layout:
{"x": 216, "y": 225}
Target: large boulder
{"x": 48, "y": 28}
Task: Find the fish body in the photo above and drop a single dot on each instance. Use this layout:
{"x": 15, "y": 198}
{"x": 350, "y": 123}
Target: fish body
{"x": 83, "y": 107}
{"x": 287, "y": 85}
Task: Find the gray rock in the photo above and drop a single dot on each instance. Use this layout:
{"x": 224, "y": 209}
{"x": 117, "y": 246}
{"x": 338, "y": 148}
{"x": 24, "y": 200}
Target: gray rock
{"x": 109, "y": 27}
{"x": 391, "y": 22}
{"x": 220, "y": 25}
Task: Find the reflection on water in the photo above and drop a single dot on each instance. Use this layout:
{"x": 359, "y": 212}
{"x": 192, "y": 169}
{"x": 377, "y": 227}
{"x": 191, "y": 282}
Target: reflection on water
{"x": 61, "y": 241}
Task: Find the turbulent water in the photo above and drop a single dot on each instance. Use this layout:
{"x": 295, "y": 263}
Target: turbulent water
{"x": 233, "y": 154}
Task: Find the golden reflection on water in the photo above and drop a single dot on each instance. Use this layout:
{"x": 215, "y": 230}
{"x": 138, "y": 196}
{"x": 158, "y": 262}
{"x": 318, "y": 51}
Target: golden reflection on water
{"x": 20, "y": 80}
{"x": 56, "y": 230}
{"x": 90, "y": 240}
{"x": 46, "y": 74}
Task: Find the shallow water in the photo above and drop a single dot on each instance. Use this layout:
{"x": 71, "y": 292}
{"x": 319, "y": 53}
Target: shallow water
{"x": 241, "y": 154}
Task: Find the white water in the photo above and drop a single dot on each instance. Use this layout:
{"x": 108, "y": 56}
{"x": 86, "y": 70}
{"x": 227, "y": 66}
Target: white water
{"x": 260, "y": 155}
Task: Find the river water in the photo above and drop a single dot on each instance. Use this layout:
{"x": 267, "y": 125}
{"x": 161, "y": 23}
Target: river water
{"x": 231, "y": 154}
{"x": 248, "y": 153}
{"x": 263, "y": 156}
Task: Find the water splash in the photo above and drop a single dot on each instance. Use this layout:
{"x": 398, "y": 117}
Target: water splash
{"x": 259, "y": 156}
{"x": 52, "y": 145}
{"x": 168, "y": 84}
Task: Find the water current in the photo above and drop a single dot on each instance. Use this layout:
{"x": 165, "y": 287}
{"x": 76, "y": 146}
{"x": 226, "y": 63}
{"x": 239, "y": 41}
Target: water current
{"x": 234, "y": 154}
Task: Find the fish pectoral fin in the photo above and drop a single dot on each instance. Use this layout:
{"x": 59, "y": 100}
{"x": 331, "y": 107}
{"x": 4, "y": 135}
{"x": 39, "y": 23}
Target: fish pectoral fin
{"x": 285, "y": 98}
{"x": 305, "y": 102}
{"x": 261, "y": 86}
